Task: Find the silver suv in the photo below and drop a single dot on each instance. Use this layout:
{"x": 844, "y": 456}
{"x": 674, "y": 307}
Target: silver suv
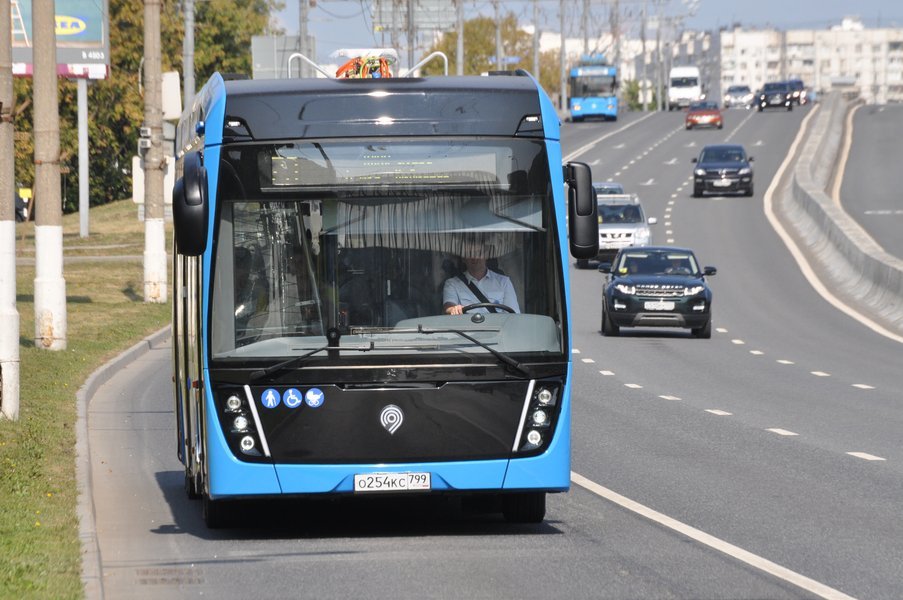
{"x": 622, "y": 222}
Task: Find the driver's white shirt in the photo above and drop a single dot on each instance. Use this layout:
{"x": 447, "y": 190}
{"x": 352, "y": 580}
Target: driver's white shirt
{"x": 497, "y": 288}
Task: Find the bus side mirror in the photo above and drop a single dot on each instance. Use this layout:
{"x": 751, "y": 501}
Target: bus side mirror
{"x": 190, "y": 207}
{"x": 583, "y": 224}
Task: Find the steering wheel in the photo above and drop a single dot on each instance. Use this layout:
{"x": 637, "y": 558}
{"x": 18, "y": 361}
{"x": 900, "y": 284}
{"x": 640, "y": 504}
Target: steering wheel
{"x": 504, "y": 307}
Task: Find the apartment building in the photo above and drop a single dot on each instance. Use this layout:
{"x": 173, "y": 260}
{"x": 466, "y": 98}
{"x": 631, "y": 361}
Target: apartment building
{"x": 866, "y": 61}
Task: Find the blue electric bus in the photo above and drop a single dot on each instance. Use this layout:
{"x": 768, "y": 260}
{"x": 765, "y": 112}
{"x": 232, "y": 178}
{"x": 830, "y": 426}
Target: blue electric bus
{"x": 593, "y": 89}
{"x": 316, "y": 223}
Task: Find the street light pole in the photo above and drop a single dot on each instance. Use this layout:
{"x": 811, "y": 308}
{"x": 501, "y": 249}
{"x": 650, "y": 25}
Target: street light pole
{"x": 154, "y": 163}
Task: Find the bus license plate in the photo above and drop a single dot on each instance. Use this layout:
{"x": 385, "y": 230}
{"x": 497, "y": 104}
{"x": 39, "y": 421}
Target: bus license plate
{"x": 391, "y": 482}
{"x": 659, "y": 305}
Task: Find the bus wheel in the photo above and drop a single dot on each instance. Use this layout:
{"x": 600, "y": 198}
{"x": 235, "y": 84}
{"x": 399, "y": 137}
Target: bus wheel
{"x": 217, "y": 513}
{"x": 524, "y": 507}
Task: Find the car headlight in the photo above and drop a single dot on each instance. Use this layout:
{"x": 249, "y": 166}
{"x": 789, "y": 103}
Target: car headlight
{"x": 642, "y": 237}
{"x": 744, "y": 171}
{"x": 626, "y": 289}
{"x": 693, "y": 290}
{"x": 699, "y": 172}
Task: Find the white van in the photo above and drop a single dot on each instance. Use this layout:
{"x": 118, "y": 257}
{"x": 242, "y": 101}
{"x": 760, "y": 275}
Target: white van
{"x": 684, "y": 87}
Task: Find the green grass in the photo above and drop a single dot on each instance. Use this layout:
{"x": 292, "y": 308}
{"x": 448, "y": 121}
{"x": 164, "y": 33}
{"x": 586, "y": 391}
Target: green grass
{"x": 40, "y": 554}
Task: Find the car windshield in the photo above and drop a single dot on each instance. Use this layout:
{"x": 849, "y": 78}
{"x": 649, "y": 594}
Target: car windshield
{"x": 657, "y": 262}
{"x": 620, "y": 213}
{"x": 738, "y": 90}
{"x": 703, "y": 106}
{"x": 710, "y": 155}
{"x": 775, "y": 87}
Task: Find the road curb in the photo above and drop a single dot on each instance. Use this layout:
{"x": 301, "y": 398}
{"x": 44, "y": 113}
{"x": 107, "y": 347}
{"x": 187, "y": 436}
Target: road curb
{"x": 92, "y": 573}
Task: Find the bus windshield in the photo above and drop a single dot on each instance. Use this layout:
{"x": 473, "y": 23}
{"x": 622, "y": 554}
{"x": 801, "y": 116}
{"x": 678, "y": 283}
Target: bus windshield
{"x": 585, "y": 86}
{"x": 351, "y": 243}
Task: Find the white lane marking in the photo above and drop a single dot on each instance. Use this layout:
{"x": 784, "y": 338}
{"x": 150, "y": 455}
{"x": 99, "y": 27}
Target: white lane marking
{"x": 785, "y": 362}
{"x": 820, "y": 373}
{"x": 593, "y": 163}
{"x": 756, "y": 352}
{"x": 587, "y": 360}
{"x": 671, "y": 202}
{"x": 591, "y": 145}
{"x": 670, "y": 240}
{"x": 863, "y": 386}
{"x": 720, "y": 413}
{"x": 721, "y": 330}
{"x": 674, "y": 195}
{"x": 738, "y": 342}
{"x": 673, "y": 161}
{"x": 617, "y": 174}
{"x": 669, "y": 397}
{"x": 737, "y": 128}
{"x": 607, "y": 373}
{"x": 575, "y": 351}
{"x": 745, "y": 556}
{"x": 669, "y": 232}
{"x": 633, "y": 386}
{"x": 619, "y": 146}
{"x": 865, "y": 456}
{"x": 781, "y": 431}
{"x": 797, "y": 254}
{"x": 651, "y": 181}
{"x": 667, "y": 223}
{"x": 844, "y": 155}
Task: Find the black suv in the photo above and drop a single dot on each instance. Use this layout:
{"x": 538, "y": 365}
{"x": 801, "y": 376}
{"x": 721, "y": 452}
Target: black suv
{"x": 656, "y": 286}
{"x": 775, "y": 95}
{"x": 723, "y": 168}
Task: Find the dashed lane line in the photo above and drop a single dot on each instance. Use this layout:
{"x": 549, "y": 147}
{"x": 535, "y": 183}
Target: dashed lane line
{"x": 735, "y": 552}
{"x": 718, "y": 412}
{"x": 780, "y": 431}
{"x": 866, "y": 456}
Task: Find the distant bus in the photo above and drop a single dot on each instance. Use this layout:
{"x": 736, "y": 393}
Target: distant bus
{"x": 316, "y": 222}
{"x": 593, "y": 89}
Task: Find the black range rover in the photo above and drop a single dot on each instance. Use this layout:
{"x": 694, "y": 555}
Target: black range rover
{"x": 656, "y": 286}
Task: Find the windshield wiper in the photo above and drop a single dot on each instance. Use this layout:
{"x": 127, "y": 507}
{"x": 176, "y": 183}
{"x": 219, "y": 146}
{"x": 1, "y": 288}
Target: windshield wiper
{"x": 519, "y": 367}
{"x": 287, "y": 364}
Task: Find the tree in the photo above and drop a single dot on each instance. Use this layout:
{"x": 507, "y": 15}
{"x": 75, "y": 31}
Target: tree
{"x": 479, "y": 50}
{"x": 223, "y": 31}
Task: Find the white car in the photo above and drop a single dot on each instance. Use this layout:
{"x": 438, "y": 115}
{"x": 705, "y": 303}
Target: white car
{"x": 622, "y": 222}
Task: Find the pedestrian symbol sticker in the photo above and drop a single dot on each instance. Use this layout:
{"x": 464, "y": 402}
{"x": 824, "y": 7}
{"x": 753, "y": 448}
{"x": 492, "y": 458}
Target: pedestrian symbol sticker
{"x": 270, "y": 398}
{"x": 292, "y": 398}
{"x": 314, "y": 398}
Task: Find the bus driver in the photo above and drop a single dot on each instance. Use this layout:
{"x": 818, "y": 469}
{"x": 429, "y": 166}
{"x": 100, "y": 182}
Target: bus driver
{"x": 477, "y": 284}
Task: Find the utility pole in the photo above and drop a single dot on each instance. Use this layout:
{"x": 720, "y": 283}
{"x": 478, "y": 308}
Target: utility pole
{"x": 303, "y": 5}
{"x": 49, "y": 285}
{"x": 9, "y": 316}
{"x": 154, "y": 163}
{"x": 562, "y": 59}
{"x": 459, "y": 56}
{"x": 411, "y": 34}
{"x": 643, "y": 41}
{"x": 536, "y": 67}
{"x": 188, "y": 54}
{"x": 585, "y": 26}
{"x": 498, "y": 35}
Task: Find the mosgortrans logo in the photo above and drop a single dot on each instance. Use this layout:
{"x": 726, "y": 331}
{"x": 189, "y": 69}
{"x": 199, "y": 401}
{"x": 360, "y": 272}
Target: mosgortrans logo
{"x": 66, "y": 25}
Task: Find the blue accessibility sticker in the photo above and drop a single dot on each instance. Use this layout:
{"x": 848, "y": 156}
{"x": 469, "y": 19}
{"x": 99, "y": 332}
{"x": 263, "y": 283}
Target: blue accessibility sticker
{"x": 270, "y": 398}
{"x": 292, "y": 398}
{"x": 314, "y": 397}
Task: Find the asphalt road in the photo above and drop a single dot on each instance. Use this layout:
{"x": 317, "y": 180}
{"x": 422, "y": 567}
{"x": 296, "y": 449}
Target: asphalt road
{"x": 779, "y": 436}
{"x": 871, "y": 185}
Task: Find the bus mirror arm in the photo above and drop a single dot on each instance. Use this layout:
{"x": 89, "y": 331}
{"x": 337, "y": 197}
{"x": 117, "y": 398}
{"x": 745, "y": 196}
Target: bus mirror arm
{"x": 583, "y": 223}
{"x": 190, "y": 206}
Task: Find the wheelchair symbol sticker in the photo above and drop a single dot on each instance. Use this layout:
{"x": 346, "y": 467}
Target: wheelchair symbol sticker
{"x": 292, "y": 398}
{"x": 314, "y": 397}
{"x": 270, "y": 398}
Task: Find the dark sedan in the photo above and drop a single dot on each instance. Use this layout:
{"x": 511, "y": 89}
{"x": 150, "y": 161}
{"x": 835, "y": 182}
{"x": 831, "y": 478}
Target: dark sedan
{"x": 775, "y": 95}
{"x": 656, "y": 286}
{"x": 722, "y": 168}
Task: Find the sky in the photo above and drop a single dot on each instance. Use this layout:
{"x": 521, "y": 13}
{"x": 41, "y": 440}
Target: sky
{"x": 347, "y": 23}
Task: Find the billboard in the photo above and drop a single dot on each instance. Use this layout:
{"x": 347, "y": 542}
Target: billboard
{"x": 82, "y": 38}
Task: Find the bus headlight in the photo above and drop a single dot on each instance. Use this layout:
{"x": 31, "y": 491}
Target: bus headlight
{"x": 240, "y": 423}
{"x": 534, "y": 438}
{"x": 544, "y": 396}
{"x": 247, "y": 443}
{"x": 540, "y": 417}
{"x": 233, "y": 403}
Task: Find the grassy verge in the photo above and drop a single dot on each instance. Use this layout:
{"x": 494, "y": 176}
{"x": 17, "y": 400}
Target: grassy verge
{"x": 39, "y": 543}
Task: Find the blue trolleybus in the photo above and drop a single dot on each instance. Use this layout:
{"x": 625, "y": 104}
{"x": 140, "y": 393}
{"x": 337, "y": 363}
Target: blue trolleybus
{"x": 316, "y": 224}
{"x": 594, "y": 89}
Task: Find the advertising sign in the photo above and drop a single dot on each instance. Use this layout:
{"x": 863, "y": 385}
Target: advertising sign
{"x": 82, "y": 38}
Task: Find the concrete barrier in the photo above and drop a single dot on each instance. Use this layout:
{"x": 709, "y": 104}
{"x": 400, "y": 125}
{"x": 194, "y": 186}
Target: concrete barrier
{"x": 847, "y": 258}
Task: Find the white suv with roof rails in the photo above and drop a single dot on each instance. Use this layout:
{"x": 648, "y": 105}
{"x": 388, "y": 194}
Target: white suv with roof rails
{"x": 622, "y": 222}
